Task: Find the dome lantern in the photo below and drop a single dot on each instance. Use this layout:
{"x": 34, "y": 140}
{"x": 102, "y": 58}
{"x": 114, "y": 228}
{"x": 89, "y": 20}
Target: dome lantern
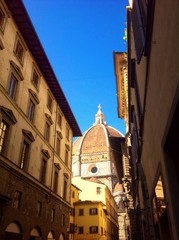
{"x": 99, "y": 117}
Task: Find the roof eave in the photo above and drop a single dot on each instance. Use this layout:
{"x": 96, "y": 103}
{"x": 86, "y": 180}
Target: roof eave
{"x": 23, "y": 22}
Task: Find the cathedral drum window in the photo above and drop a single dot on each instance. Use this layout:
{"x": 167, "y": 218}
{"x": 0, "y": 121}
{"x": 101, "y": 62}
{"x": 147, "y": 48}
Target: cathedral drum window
{"x": 93, "y": 168}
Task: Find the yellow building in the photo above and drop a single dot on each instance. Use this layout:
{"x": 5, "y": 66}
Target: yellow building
{"x": 93, "y": 191}
{"x": 74, "y": 198}
{"x": 90, "y": 221}
{"x": 36, "y": 130}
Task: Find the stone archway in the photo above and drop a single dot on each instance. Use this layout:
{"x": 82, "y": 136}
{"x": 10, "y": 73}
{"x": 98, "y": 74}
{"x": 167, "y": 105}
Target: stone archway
{"x": 62, "y": 237}
{"x": 51, "y": 236}
{"x": 35, "y": 234}
{"x": 13, "y": 231}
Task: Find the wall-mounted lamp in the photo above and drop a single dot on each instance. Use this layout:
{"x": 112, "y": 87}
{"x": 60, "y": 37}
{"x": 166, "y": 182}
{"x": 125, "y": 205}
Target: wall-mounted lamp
{"x": 126, "y": 202}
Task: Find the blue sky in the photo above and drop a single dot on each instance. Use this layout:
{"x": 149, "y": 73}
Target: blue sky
{"x": 79, "y": 37}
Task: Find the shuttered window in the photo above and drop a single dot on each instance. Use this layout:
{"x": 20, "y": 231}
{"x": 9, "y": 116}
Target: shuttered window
{"x": 138, "y": 17}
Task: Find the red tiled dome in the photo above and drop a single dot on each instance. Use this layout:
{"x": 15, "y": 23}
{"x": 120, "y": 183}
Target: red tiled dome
{"x": 96, "y": 138}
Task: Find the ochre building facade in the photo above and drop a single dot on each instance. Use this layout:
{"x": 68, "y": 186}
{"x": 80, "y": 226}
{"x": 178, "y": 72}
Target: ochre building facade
{"x": 36, "y": 130}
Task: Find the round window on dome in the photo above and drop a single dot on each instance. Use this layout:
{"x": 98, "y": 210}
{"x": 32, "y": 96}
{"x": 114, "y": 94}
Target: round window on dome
{"x": 94, "y": 169}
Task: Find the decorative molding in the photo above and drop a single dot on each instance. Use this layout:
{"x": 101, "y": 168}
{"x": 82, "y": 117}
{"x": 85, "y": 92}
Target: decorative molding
{"x": 49, "y": 118}
{"x": 67, "y": 146}
{"x": 34, "y": 95}
{"x": 29, "y": 135}
{"x": 57, "y": 165}
{"x": 16, "y": 68}
{"x": 1, "y": 45}
{"x": 66, "y": 175}
{"x": 8, "y": 112}
{"x": 46, "y": 153}
{"x": 59, "y": 134}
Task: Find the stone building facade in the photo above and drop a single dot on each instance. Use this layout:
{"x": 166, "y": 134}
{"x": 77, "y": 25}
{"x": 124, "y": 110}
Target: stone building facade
{"x": 36, "y": 130}
{"x": 153, "y": 112}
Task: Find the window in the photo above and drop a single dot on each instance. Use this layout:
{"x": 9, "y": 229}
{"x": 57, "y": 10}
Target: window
{"x": 72, "y": 212}
{"x": 67, "y": 132}
{"x": 1, "y": 45}
{"x": 19, "y": 50}
{"x": 63, "y": 219}
{"x": 67, "y": 149}
{"x": 134, "y": 84}
{"x": 80, "y": 230}
{"x": 138, "y": 16}
{"x": 65, "y": 190}
{"x": 52, "y": 215}
{"x": 66, "y": 156}
{"x": 25, "y": 150}
{"x": 35, "y": 78}
{"x": 12, "y": 86}
{"x": 15, "y": 76}
{"x": 56, "y": 176}
{"x": 93, "y": 211}
{"x": 72, "y": 228}
{"x": 31, "y": 110}
{"x": 7, "y": 118}
{"x": 24, "y": 155}
{"x": 58, "y": 143}
{"x": 59, "y": 119}
{"x": 43, "y": 170}
{"x": 94, "y": 169}
{"x": 4, "y": 128}
{"x": 17, "y": 199}
{"x": 98, "y": 190}
{"x": 39, "y": 208}
{"x": 72, "y": 194}
{"x": 45, "y": 157}
{"x": 33, "y": 101}
{"x": 2, "y": 20}
{"x": 81, "y": 212}
{"x": 135, "y": 142}
{"x": 48, "y": 123}
{"x": 93, "y": 229}
{"x": 47, "y": 131}
{"x": 55, "y": 186}
{"x": 49, "y": 101}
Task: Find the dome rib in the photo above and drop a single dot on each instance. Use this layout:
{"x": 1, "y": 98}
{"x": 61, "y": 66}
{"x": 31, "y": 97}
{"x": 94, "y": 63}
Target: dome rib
{"x": 106, "y": 134}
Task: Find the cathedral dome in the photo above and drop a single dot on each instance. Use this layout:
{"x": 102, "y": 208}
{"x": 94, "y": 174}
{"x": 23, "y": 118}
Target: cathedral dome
{"x": 97, "y": 156}
{"x": 96, "y": 138}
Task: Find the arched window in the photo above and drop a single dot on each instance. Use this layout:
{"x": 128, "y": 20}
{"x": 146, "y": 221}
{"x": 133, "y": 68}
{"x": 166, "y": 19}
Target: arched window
{"x": 51, "y": 236}
{"x": 13, "y": 231}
